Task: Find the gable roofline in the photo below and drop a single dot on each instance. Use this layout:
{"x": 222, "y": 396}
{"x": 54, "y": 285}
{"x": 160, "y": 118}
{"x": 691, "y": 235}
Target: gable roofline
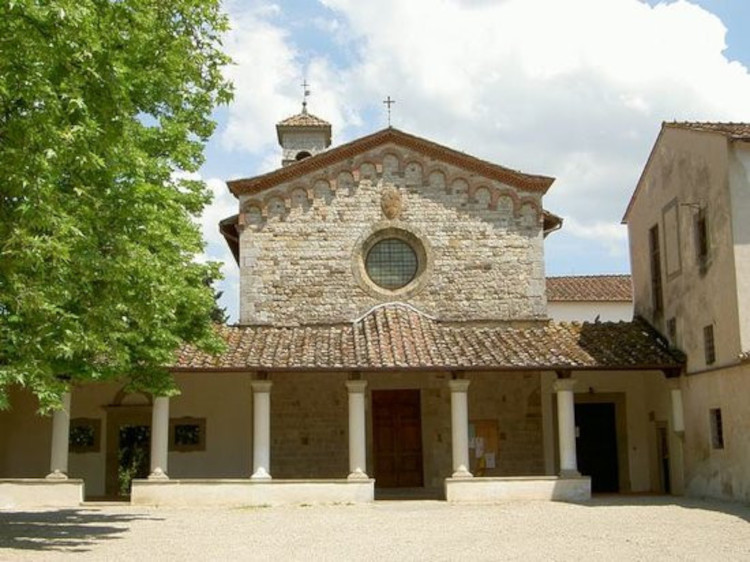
{"x": 520, "y": 180}
{"x": 732, "y": 131}
{"x": 643, "y": 175}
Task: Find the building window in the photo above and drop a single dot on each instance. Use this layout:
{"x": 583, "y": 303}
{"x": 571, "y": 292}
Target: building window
{"x": 187, "y": 434}
{"x": 708, "y": 344}
{"x": 717, "y": 428}
{"x": 656, "y": 289}
{"x": 672, "y": 330}
{"x": 85, "y": 435}
{"x": 391, "y": 263}
{"x": 702, "y": 243}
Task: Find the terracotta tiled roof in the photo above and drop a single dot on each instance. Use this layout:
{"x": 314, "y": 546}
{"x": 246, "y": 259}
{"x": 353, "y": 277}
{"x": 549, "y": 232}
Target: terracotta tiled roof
{"x": 617, "y": 288}
{"x": 396, "y": 336}
{"x": 344, "y": 152}
{"x": 303, "y": 119}
{"x": 734, "y": 130}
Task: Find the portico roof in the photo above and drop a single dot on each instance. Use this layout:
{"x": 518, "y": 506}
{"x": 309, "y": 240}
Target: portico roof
{"x": 398, "y": 337}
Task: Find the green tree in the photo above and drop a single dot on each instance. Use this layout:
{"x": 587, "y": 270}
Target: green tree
{"x": 101, "y": 102}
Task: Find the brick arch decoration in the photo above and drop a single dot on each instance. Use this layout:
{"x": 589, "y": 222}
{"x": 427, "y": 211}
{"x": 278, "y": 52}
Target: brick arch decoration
{"x": 299, "y": 196}
{"x": 279, "y": 202}
{"x": 429, "y": 175}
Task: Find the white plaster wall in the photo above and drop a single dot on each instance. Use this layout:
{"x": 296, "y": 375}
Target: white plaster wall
{"x": 88, "y": 401}
{"x": 588, "y": 311}
{"x": 739, "y": 176}
{"x": 691, "y": 168}
{"x": 721, "y": 473}
{"x": 225, "y": 401}
{"x": 25, "y": 438}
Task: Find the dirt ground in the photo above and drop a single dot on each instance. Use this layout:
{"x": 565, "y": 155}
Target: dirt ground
{"x": 615, "y": 528}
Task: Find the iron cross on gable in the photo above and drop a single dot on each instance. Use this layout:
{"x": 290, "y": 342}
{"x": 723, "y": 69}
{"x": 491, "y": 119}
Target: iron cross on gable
{"x": 389, "y": 102}
{"x": 305, "y": 93}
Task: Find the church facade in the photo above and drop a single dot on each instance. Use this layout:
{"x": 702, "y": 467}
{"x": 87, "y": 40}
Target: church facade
{"x": 394, "y": 340}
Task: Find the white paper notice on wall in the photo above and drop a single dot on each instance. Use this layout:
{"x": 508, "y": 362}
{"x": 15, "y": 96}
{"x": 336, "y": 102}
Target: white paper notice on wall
{"x": 489, "y": 460}
{"x": 479, "y": 449}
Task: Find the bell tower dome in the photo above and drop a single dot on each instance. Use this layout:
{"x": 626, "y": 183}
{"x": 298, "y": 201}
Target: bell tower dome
{"x": 302, "y": 135}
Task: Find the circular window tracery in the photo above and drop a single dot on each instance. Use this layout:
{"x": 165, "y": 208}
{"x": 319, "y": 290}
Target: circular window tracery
{"x": 391, "y": 263}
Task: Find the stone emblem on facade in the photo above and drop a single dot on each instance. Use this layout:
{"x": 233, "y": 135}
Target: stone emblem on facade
{"x": 391, "y": 203}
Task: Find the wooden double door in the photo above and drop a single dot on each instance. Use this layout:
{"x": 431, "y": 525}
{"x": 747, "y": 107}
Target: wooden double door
{"x": 397, "y": 438}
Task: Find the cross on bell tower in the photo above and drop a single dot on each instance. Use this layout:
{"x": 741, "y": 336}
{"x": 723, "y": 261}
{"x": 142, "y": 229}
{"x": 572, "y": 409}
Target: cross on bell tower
{"x": 303, "y": 135}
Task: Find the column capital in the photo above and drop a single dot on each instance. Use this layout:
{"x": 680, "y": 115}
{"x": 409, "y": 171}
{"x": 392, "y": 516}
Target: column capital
{"x": 261, "y": 386}
{"x": 459, "y": 385}
{"x": 564, "y": 384}
{"x": 356, "y": 385}
{"x": 674, "y": 384}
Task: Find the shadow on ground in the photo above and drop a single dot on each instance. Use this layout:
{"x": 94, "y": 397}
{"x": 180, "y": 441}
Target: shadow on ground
{"x": 71, "y": 530}
{"x": 737, "y": 509}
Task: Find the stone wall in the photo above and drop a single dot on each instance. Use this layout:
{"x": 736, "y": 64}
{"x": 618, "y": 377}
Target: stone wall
{"x": 309, "y": 422}
{"x": 301, "y": 243}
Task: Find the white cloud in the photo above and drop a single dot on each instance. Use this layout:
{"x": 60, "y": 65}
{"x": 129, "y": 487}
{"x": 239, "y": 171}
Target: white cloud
{"x": 573, "y": 89}
{"x": 222, "y": 206}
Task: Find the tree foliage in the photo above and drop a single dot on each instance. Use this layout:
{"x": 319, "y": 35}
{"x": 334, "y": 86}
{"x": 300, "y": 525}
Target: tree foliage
{"x": 101, "y": 102}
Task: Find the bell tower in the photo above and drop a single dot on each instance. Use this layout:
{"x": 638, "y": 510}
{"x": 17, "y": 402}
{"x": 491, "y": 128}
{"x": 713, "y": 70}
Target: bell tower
{"x": 302, "y": 135}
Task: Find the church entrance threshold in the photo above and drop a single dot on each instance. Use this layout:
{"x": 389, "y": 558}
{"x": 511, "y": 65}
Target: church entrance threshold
{"x": 397, "y": 438}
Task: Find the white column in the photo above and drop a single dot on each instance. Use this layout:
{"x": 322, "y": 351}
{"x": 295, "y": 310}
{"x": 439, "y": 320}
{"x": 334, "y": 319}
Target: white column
{"x": 357, "y": 435}
{"x": 58, "y": 465}
{"x": 566, "y": 423}
{"x": 159, "y": 438}
{"x": 261, "y": 429}
{"x": 678, "y": 418}
{"x": 460, "y": 427}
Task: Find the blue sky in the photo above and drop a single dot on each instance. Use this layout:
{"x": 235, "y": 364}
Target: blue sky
{"x": 576, "y": 90}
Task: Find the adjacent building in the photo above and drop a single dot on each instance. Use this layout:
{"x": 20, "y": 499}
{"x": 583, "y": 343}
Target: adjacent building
{"x": 689, "y": 230}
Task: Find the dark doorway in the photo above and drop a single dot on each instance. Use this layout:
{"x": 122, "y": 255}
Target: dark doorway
{"x": 596, "y": 445}
{"x": 662, "y": 450}
{"x": 133, "y": 456}
{"x": 397, "y": 437}
{"x": 128, "y": 448}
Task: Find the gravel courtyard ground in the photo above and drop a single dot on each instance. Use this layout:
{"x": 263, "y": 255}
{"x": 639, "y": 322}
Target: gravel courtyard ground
{"x": 615, "y": 528}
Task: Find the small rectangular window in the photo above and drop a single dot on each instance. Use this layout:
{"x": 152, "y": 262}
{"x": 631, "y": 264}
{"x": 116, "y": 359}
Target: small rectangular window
{"x": 672, "y": 330}
{"x": 717, "y": 428}
{"x": 708, "y": 344}
{"x": 187, "y": 434}
{"x": 702, "y": 243}
{"x": 656, "y": 288}
{"x": 85, "y": 435}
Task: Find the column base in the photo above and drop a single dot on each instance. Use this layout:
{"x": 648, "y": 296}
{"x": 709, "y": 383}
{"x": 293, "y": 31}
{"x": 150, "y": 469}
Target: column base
{"x": 462, "y": 472}
{"x": 158, "y": 474}
{"x": 261, "y": 474}
{"x": 357, "y": 475}
{"x": 567, "y": 473}
{"x": 56, "y": 475}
